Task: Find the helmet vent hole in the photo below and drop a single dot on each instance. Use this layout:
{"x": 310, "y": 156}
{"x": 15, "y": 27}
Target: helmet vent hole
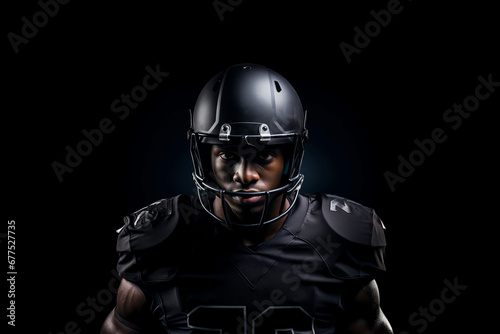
{"x": 216, "y": 86}
{"x": 278, "y": 87}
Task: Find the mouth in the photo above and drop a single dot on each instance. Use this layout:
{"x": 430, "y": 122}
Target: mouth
{"x": 247, "y": 200}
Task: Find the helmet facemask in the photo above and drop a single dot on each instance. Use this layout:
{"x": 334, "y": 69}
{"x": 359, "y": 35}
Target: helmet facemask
{"x": 208, "y": 188}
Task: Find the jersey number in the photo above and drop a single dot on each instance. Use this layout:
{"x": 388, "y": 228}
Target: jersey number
{"x": 234, "y": 320}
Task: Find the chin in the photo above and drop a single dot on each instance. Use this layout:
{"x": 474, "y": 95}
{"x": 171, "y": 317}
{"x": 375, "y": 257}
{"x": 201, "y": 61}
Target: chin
{"x": 249, "y": 212}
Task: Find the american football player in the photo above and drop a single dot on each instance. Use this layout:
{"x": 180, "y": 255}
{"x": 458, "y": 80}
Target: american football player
{"x": 249, "y": 253}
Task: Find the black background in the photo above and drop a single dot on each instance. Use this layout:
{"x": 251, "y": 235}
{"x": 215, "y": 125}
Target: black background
{"x": 362, "y": 116}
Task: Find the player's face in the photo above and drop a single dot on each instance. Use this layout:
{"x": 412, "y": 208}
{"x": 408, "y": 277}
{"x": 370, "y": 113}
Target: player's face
{"x": 250, "y": 169}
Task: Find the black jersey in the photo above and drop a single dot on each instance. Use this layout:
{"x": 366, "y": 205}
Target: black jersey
{"x": 198, "y": 278}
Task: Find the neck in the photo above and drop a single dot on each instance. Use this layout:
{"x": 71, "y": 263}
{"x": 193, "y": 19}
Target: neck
{"x": 253, "y": 235}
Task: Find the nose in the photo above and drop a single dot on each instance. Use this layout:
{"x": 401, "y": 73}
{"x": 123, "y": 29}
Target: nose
{"x": 245, "y": 173}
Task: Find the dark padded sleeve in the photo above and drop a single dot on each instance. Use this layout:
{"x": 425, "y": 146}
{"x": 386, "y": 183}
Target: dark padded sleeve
{"x": 352, "y": 235}
{"x": 141, "y": 239}
{"x": 362, "y": 251}
{"x": 353, "y": 221}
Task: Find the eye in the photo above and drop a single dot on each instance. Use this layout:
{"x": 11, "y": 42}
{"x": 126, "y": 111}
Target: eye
{"x": 227, "y": 155}
{"x": 266, "y": 156}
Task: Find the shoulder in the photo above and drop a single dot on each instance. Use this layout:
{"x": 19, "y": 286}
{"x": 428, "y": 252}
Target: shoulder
{"x": 158, "y": 227}
{"x": 349, "y": 236}
{"x": 353, "y": 221}
{"x": 152, "y": 224}
{"x": 348, "y": 219}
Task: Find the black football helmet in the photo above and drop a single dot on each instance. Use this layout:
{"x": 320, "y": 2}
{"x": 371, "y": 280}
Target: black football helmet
{"x": 247, "y": 104}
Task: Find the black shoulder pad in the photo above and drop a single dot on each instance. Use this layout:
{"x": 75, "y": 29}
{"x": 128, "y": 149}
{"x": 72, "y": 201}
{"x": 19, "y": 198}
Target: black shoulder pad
{"x": 353, "y": 221}
{"x": 142, "y": 237}
{"x": 349, "y": 237}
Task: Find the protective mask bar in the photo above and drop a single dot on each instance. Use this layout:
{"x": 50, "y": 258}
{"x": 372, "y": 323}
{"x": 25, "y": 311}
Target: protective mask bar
{"x": 207, "y": 193}
{"x": 295, "y": 188}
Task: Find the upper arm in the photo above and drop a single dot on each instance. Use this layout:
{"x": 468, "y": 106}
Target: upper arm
{"x": 364, "y": 314}
{"x": 131, "y": 307}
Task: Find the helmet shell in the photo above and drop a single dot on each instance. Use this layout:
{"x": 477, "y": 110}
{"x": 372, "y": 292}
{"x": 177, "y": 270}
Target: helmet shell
{"x": 245, "y": 96}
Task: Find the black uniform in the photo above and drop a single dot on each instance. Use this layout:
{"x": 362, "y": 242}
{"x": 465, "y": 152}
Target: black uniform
{"x": 198, "y": 278}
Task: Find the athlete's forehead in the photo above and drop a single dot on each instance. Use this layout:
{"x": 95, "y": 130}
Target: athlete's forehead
{"x": 243, "y": 148}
